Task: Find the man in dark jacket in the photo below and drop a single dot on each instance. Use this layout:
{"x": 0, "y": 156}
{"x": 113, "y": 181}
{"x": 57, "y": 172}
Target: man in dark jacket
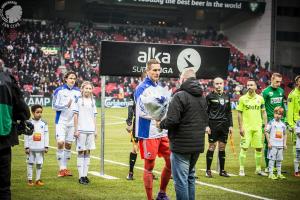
{"x": 187, "y": 122}
{"x": 12, "y": 108}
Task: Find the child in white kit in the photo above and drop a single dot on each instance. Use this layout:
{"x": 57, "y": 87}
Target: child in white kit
{"x": 85, "y": 112}
{"x": 36, "y": 145}
{"x": 276, "y": 137}
{"x": 297, "y": 159}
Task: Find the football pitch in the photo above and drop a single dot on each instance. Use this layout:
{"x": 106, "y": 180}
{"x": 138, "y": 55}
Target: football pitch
{"x": 117, "y": 148}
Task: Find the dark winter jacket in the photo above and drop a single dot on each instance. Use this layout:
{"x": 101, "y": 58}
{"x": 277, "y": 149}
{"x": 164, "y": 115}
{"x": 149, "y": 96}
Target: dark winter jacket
{"x": 12, "y": 108}
{"x": 187, "y": 119}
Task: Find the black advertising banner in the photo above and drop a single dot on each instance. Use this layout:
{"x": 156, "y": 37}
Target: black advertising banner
{"x": 249, "y": 6}
{"x": 130, "y": 58}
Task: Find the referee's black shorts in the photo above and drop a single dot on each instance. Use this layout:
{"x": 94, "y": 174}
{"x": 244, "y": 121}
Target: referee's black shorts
{"x": 219, "y": 131}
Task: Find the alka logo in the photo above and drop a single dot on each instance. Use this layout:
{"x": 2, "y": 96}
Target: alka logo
{"x": 161, "y": 57}
{"x": 11, "y": 14}
{"x": 189, "y": 58}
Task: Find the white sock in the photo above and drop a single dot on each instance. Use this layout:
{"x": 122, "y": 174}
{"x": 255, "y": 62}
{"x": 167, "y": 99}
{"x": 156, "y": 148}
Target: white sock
{"x": 38, "y": 171}
{"x": 80, "y": 165}
{"x": 67, "y": 156}
{"x": 296, "y": 165}
{"x": 278, "y": 166}
{"x": 60, "y": 158}
{"x": 86, "y": 165}
{"x": 29, "y": 171}
{"x": 271, "y": 166}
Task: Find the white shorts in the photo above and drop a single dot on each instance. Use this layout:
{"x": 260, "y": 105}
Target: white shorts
{"x": 85, "y": 141}
{"x": 275, "y": 153}
{"x": 35, "y": 157}
{"x": 64, "y": 133}
{"x": 298, "y": 154}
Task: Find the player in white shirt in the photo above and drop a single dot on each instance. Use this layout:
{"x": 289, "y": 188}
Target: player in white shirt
{"x": 276, "y": 137}
{"x": 63, "y": 98}
{"x": 36, "y": 145}
{"x": 85, "y": 111}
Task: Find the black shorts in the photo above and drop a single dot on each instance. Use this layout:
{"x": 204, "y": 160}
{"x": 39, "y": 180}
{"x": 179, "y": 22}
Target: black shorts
{"x": 219, "y": 131}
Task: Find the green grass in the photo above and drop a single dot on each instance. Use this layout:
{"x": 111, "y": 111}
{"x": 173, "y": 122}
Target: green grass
{"x": 117, "y": 148}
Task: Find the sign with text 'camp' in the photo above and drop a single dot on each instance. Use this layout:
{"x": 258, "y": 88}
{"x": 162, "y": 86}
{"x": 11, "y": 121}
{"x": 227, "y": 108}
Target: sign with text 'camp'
{"x": 129, "y": 59}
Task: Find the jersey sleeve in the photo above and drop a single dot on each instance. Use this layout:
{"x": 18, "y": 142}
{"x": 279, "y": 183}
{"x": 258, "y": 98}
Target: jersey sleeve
{"x": 75, "y": 106}
{"x": 269, "y": 126}
{"x": 262, "y": 106}
{"x": 284, "y": 128}
{"x": 56, "y": 102}
{"x": 290, "y": 114}
{"x": 26, "y": 141}
{"x": 46, "y": 136}
{"x": 95, "y": 107}
{"x": 240, "y": 105}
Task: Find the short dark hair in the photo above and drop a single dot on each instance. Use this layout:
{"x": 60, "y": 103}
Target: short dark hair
{"x": 35, "y": 107}
{"x": 68, "y": 74}
{"x": 252, "y": 81}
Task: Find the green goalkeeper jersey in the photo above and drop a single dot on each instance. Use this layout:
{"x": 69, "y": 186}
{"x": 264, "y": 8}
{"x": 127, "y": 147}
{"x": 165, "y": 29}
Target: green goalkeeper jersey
{"x": 293, "y": 107}
{"x": 273, "y": 97}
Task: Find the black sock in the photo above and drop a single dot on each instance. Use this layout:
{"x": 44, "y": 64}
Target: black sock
{"x": 222, "y": 160}
{"x": 132, "y": 159}
{"x": 209, "y": 159}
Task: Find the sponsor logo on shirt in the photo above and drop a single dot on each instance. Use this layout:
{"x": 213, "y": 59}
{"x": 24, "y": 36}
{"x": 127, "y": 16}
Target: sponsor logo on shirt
{"x": 252, "y": 107}
{"x": 276, "y": 100}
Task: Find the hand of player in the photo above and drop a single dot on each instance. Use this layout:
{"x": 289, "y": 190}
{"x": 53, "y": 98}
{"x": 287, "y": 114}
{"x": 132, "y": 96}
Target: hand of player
{"x": 266, "y": 128}
{"x": 230, "y": 130}
{"x": 129, "y": 129}
{"x": 69, "y": 104}
{"x": 27, "y": 151}
{"x": 289, "y": 128}
{"x": 269, "y": 145}
{"x": 96, "y": 135}
{"x": 242, "y": 131}
{"x": 207, "y": 130}
{"x": 46, "y": 149}
{"x": 76, "y": 134}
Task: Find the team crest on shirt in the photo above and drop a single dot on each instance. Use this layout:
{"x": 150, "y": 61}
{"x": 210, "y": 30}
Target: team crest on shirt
{"x": 258, "y": 101}
{"x": 42, "y": 126}
{"x": 222, "y": 101}
{"x": 270, "y": 94}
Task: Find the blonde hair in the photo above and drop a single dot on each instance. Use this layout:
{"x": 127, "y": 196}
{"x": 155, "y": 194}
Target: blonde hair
{"x": 151, "y": 62}
{"x": 279, "y": 110}
{"x": 85, "y": 83}
{"x": 276, "y": 75}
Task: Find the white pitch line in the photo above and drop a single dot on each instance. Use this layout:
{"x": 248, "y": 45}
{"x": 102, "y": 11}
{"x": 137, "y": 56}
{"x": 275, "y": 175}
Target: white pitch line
{"x": 197, "y": 182}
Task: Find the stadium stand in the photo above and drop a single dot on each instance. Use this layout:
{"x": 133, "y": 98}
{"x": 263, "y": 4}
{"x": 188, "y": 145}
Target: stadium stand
{"x": 40, "y": 52}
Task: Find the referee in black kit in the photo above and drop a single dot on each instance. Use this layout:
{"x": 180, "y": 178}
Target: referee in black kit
{"x": 220, "y": 123}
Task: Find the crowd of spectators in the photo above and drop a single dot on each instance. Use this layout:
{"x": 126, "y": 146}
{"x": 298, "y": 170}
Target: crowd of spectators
{"x": 77, "y": 48}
